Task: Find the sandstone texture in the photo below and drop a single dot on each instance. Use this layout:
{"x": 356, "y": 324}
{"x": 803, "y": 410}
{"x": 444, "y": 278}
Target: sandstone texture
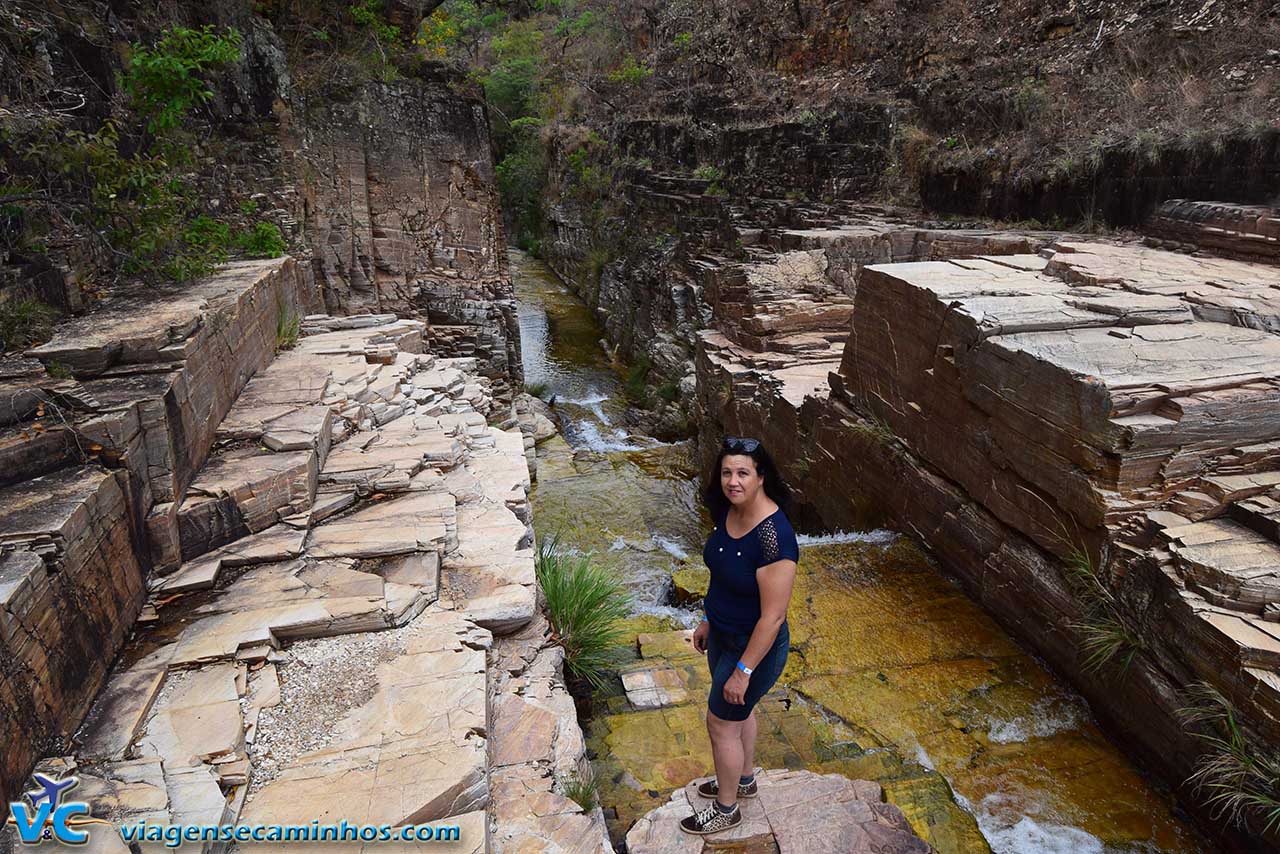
{"x": 1096, "y": 405}
{"x": 1245, "y": 232}
{"x": 796, "y": 811}
{"x": 332, "y": 654}
{"x": 341, "y": 622}
{"x": 152, "y": 375}
{"x": 407, "y": 221}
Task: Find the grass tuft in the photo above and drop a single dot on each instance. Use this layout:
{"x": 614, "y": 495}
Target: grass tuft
{"x": 25, "y": 323}
{"x": 1106, "y": 638}
{"x": 1241, "y": 781}
{"x": 584, "y": 605}
{"x": 581, "y": 789}
{"x": 288, "y": 328}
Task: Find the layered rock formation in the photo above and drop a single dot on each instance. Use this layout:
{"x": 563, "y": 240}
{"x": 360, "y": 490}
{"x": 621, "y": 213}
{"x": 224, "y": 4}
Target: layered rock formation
{"x": 1082, "y": 435}
{"x": 1246, "y": 232}
{"x": 382, "y": 184}
{"x": 640, "y": 268}
{"x": 356, "y": 540}
{"x": 150, "y": 379}
{"x": 399, "y": 207}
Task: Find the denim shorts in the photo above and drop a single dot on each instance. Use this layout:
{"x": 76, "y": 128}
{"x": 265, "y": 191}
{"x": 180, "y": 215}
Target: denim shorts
{"x": 723, "y": 651}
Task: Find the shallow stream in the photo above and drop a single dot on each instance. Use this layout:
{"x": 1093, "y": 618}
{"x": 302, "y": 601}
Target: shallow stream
{"x": 895, "y": 675}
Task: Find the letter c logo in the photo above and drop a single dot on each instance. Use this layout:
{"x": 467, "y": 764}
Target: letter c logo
{"x": 66, "y": 834}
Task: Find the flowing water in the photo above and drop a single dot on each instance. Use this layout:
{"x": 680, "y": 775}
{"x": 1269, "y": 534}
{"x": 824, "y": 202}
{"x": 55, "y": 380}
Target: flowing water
{"x": 895, "y": 675}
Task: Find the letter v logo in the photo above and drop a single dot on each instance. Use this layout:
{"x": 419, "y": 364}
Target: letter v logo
{"x": 30, "y": 828}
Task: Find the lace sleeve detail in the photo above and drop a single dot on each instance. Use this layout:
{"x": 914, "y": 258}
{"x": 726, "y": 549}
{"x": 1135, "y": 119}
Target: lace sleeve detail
{"x": 768, "y": 542}
{"x": 776, "y": 544}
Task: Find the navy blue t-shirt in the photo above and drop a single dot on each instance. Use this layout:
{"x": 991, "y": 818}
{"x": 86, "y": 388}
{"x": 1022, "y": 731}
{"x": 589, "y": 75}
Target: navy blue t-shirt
{"x": 733, "y": 597}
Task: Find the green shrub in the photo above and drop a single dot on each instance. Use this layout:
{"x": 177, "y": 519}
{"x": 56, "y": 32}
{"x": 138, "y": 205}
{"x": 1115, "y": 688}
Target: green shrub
{"x": 457, "y": 23}
{"x": 264, "y": 240}
{"x": 369, "y": 15}
{"x": 438, "y": 33}
{"x": 1029, "y": 101}
{"x": 669, "y": 391}
{"x": 707, "y": 172}
{"x": 530, "y": 244}
{"x": 629, "y": 73}
{"x": 207, "y": 235}
{"x": 536, "y": 389}
{"x": 584, "y": 606}
{"x": 163, "y": 81}
{"x": 514, "y": 81}
{"x": 598, "y": 258}
{"x": 25, "y": 323}
{"x": 137, "y": 202}
{"x": 634, "y": 387}
{"x": 124, "y": 183}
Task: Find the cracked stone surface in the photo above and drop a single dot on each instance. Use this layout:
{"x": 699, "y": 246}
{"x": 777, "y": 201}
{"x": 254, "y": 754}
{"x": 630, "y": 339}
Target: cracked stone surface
{"x": 280, "y": 675}
{"x": 796, "y": 812}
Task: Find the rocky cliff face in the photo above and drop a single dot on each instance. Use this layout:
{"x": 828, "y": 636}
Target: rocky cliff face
{"x": 640, "y": 257}
{"x": 384, "y": 189}
{"x": 124, "y": 459}
{"x": 400, "y": 212}
{"x": 1082, "y": 435}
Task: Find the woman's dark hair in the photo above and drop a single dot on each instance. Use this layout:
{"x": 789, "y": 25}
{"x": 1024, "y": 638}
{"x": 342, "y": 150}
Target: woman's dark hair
{"x": 774, "y": 486}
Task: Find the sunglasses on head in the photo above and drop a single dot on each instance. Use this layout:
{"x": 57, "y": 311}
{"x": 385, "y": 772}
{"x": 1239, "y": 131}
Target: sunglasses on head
{"x": 735, "y": 443}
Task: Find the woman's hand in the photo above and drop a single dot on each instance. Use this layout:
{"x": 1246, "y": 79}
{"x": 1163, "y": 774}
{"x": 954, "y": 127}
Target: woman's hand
{"x": 735, "y": 688}
{"x": 700, "y": 636}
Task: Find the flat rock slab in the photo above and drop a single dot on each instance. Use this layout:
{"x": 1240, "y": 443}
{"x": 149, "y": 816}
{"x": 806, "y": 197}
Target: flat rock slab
{"x": 50, "y": 507}
{"x": 142, "y": 327}
{"x": 292, "y": 600}
{"x": 414, "y": 752}
{"x": 422, "y": 521}
{"x": 279, "y": 542}
{"x": 653, "y": 687}
{"x": 798, "y": 812}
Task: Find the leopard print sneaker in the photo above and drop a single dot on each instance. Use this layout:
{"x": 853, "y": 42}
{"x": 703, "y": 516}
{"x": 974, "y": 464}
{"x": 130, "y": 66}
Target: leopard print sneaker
{"x": 711, "y": 820}
{"x": 711, "y": 788}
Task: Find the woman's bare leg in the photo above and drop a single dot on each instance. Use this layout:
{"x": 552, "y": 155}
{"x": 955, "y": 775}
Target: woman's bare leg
{"x": 726, "y": 750}
{"x": 749, "y": 729}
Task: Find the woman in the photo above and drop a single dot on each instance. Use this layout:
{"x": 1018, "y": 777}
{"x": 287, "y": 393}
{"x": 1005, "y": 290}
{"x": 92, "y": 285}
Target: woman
{"x": 752, "y": 556}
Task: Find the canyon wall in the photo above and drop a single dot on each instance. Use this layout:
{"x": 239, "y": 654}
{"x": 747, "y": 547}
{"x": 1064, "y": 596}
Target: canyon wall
{"x": 1082, "y": 435}
{"x": 400, "y": 212}
{"x": 163, "y": 435}
{"x": 1079, "y": 430}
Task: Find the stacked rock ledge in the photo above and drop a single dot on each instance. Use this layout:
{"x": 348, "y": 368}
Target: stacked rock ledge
{"x": 1111, "y": 406}
{"x": 326, "y": 559}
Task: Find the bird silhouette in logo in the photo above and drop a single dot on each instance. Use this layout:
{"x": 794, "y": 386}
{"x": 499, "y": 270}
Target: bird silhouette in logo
{"x": 51, "y": 790}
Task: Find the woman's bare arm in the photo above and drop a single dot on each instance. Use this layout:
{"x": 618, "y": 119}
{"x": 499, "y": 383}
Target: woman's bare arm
{"x": 775, "y": 580}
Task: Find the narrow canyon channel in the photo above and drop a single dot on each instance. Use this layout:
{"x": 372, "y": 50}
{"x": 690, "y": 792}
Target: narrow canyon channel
{"x": 895, "y": 674}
